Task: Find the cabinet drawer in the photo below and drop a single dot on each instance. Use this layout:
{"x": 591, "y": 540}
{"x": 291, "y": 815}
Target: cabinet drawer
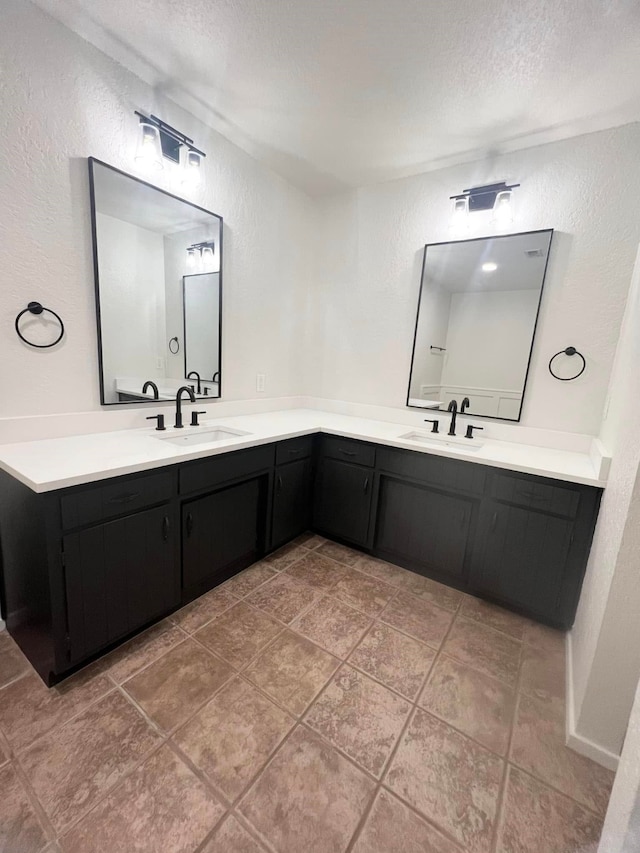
{"x": 434, "y": 470}
{"x": 535, "y": 494}
{"x": 349, "y": 450}
{"x": 293, "y": 449}
{"x": 207, "y": 473}
{"x": 111, "y": 498}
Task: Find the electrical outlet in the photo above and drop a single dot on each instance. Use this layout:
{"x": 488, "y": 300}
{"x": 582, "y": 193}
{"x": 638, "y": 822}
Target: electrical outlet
{"x": 260, "y": 381}
{"x": 160, "y": 363}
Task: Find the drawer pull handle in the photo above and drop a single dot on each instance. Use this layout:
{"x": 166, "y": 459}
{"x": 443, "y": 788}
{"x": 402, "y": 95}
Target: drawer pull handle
{"x": 295, "y": 452}
{"x": 165, "y": 528}
{"x": 493, "y": 520}
{"x": 532, "y": 496}
{"x": 189, "y": 524}
{"x": 124, "y": 499}
{"x": 347, "y": 452}
{"x": 366, "y": 485}
{"x": 279, "y": 482}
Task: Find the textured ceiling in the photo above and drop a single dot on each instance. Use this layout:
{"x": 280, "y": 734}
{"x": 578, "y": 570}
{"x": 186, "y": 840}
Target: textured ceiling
{"x": 337, "y": 93}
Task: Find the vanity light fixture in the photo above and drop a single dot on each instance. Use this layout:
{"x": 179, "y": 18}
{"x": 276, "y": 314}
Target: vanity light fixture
{"x": 459, "y": 216}
{"x": 503, "y": 208}
{"x": 192, "y": 258}
{"x": 149, "y": 150}
{"x": 496, "y": 197}
{"x": 159, "y": 140}
{"x": 201, "y": 255}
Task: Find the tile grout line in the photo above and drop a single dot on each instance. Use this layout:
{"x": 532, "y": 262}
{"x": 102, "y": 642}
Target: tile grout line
{"x": 109, "y": 791}
{"x": 43, "y": 818}
{"x": 299, "y": 720}
{"x": 18, "y": 752}
{"x": 501, "y": 802}
{"x": 393, "y": 752}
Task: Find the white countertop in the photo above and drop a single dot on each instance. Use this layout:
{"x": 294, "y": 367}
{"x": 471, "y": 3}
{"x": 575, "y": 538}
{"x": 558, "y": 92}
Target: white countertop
{"x": 61, "y": 462}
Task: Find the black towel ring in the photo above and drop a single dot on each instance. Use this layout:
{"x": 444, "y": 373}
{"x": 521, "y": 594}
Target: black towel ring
{"x": 174, "y": 341}
{"x": 37, "y": 308}
{"x": 568, "y": 351}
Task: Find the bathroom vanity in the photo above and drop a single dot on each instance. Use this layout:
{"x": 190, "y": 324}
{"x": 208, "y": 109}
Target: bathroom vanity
{"x": 93, "y": 557}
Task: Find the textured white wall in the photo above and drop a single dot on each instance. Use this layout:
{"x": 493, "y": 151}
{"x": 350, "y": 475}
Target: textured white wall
{"x": 621, "y": 830}
{"x": 369, "y": 259}
{"x": 62, "y": 101}
{"x": 607, "y": 627}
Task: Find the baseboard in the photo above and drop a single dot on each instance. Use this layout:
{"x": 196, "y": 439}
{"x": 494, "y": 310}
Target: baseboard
{"x": 577, "y": 742}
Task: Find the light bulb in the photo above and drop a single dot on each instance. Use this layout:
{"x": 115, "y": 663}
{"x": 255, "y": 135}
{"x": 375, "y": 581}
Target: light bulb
{"x": 192, "y": 258}
{"x": 460, "y": 214}
{"x": 191, "y": 167}
{"x": 207, "y": 258}
{"x": 149, "y": 151}
{"x": 503, "y": 208}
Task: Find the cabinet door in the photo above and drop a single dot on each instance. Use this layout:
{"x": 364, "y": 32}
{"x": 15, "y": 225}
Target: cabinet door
{"x": 221, "y": 534}
{"x": 119, "y": 576}
{"x": 424, "y": 528}
{"x": 523, "y": 557}
{"x": 291, "y": 501}
{"x": 342, "y": 505}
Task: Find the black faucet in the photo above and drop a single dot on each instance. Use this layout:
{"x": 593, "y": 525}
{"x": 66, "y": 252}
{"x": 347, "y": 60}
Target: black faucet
{"x": 197, "y": 376}
{"x": 178, "y": 424}
{"x": 453, "y": 408}
{"x": 464, "y": 405}
{"x": 149, "y": 384}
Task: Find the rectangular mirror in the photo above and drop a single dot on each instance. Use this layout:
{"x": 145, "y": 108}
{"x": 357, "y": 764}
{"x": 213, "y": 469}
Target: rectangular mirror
{"x": 158, "y": 280}
{"x": 477, "y": 313}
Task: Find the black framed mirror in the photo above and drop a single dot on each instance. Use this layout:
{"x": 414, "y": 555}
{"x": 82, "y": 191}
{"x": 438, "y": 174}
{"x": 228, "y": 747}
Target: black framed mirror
{"x": 158, "y": 279}
{"x": 476, "y": 321}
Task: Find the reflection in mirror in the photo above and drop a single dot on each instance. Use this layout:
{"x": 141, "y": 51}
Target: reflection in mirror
{"x": 158, "y": 279}
{"x": 200, "y": 299}
{"x": 477, "y": 314}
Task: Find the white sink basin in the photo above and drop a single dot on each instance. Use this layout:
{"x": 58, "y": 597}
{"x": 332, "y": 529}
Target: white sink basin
{"x": 443, "y": 440}
{"x": 203, "y": 435}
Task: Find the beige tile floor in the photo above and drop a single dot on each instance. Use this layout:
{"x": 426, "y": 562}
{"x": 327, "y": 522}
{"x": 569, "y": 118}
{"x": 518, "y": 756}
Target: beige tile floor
{"x": 321, "y": 701}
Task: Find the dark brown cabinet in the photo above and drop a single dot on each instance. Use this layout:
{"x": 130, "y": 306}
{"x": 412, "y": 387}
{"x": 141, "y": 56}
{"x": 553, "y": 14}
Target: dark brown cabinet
{"x": 517, "y": 539}
{"x": 221, "y": 534}
{"x": 291, "y": 501}
{"x": 118, "y": 576}
{"x": 86, "y": 567}
{"x": 423, "y": 527}
{"x": 342, "y": 505}
{"x": 522, "y": 557}
{"x": 533, "y": 544}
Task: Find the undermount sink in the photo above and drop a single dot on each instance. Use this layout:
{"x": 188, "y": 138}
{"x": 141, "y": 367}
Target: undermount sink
{"x": 443, "y": 440}
{"x": 204, "y": 436}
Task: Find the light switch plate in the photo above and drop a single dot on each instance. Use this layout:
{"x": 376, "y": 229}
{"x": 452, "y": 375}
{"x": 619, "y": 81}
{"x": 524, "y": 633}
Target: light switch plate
{"x": 260, "y": 381}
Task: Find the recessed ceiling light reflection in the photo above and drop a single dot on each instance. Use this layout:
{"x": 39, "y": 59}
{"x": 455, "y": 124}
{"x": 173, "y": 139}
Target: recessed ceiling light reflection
{"x": 489, "y": 267}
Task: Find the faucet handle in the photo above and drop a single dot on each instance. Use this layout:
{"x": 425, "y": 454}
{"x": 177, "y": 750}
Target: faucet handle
{"x": 435, "y": 422}
{"x": 194, "y": 418}
{"x": 159, "y": 419}
{"x": 470, "y": 429}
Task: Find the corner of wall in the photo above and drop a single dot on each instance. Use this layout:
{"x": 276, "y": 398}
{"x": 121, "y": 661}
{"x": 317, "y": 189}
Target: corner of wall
{"x": 575, "y": 741}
